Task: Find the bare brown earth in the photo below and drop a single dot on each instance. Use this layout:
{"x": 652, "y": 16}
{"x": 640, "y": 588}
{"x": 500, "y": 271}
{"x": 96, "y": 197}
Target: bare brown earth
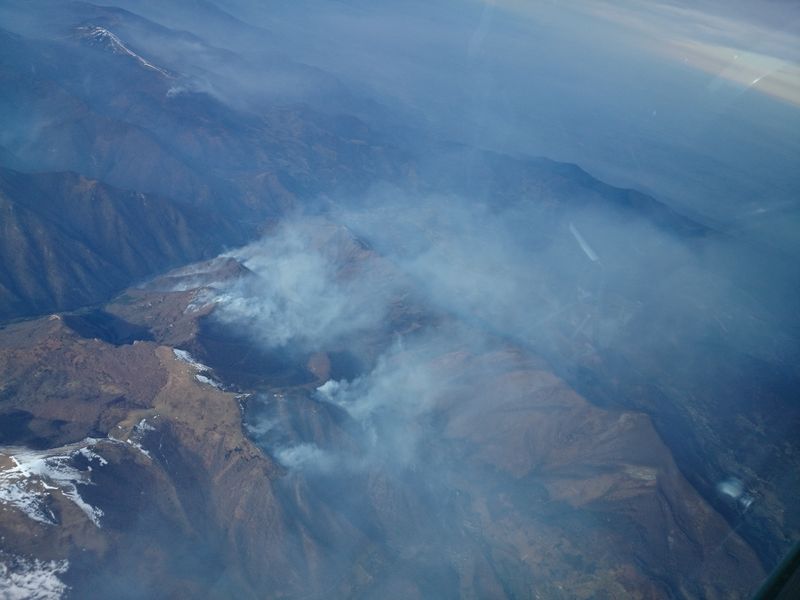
{"x": 525, "y": 489}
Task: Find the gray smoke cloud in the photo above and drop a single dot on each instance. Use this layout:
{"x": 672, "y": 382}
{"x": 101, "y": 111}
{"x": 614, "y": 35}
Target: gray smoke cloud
{"x": 301, "y": 291}
{"x": 387, "y": 403}
{"x": 495, "y": 276}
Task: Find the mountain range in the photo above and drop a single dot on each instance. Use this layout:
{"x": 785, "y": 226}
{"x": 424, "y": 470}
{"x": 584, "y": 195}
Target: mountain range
{"x": 263, "y": 334}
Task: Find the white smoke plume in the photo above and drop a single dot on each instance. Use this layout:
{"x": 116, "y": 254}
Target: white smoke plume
{"x": 302, "y": 291}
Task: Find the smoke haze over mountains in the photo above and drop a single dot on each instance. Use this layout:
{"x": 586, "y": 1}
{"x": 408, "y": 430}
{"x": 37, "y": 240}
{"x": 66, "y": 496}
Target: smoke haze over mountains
{"x": 399, "y": 355}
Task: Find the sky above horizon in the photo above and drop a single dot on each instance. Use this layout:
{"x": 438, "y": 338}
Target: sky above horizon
{"x": 696, "y": 103}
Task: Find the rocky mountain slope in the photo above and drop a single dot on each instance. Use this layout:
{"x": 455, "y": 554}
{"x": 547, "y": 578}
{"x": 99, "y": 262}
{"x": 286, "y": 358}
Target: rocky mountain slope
{"x": 503, "y": 482}
{"x": 68, "y": 241}
{"x": 433, "y": 371}
{"x": 82, "y": 93}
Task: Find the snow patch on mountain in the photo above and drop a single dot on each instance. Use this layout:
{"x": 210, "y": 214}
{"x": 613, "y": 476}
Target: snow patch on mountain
{"x": 32, "y": 578}
{"x": 137, "y": 435}
{"x": 202, "y": 371}
{"x": 184, "y": 356}
{"x": 102, "y": 36}
{"x": 28, "y": 478}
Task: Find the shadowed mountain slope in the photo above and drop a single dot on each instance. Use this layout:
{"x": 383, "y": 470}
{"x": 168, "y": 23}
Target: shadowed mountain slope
{"x": 69, "y": 241}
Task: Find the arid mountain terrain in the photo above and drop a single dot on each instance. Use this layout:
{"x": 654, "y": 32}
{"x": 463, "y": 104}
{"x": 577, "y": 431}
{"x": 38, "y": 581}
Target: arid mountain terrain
{"x": 68, "y": 241}
{"x": 269, "y": 329}
{"x": 513, "y": 484}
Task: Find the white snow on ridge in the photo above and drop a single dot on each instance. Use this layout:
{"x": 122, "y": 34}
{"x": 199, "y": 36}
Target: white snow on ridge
{"x": 189, "y": 359}
{"x": 138, "y": 433}
{"x": 31, "y": 578}
{"x": 32, "y": 475}
{"x": 207, "y": 381}
{"x": 136, "y": 436}
{"x": 202, "y": 370}
{"x": 91, "y": 455}
{"x": 102, "y": 35}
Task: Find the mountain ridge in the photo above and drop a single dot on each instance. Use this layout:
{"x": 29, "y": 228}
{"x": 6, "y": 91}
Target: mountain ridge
{"x": 69, "y": 241}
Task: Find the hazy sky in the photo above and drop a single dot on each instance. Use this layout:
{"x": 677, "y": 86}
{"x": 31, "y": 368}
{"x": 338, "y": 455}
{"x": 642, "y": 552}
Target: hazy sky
{"x": 697, "y": 103}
